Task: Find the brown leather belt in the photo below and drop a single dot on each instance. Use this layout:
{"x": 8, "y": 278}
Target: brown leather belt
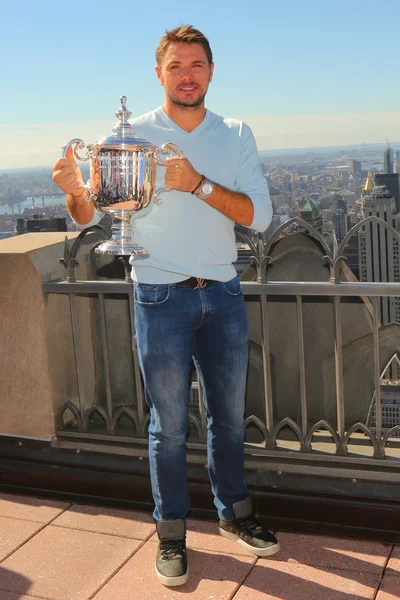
{"x": 195, "y": 282}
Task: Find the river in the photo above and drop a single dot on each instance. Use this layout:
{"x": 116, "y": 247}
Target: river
{"x": 28, "y": 203}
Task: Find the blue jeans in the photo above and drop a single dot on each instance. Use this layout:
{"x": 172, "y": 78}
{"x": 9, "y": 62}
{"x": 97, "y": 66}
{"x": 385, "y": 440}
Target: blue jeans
{"x": 175, "y": 325}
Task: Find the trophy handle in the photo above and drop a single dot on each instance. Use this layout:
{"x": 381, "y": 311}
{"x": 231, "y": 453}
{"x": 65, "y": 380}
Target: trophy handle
{"x": 172, "y": 151}
{"x": 79, "y": 145}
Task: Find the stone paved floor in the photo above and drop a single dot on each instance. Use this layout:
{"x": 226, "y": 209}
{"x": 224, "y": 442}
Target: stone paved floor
{"x": 60, "y": 551}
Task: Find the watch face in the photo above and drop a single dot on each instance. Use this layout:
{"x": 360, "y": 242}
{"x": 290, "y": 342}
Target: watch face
{"x": 207, "y": 188}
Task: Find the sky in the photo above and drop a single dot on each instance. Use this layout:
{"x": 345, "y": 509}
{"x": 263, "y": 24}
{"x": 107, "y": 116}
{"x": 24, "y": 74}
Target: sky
{"x": 301, "y": 73}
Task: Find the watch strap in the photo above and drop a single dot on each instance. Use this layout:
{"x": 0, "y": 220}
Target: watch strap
{"x": 198, "y": 185}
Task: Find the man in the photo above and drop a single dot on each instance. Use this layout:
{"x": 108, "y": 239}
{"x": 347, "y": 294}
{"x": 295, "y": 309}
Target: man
{"x": 188, "y": 299}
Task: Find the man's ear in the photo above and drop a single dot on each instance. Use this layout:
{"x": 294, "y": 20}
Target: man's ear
{"x": 211, "y": 72}
{"x": 159, "y": 75}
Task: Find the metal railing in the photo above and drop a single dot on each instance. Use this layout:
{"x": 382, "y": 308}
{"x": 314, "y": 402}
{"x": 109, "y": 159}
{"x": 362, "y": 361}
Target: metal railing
{"x": 343, "y": 437}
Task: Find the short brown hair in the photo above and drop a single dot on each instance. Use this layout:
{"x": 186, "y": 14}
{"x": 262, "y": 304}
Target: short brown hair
{"x": 185, "y": 34}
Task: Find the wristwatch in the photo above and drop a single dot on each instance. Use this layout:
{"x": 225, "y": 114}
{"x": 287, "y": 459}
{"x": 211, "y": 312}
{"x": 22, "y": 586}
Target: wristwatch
{"x": 206, "y": 189}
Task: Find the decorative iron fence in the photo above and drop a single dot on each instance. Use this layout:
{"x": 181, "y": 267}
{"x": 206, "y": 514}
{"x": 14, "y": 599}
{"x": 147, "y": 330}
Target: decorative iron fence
{"x": 117, "y": 426}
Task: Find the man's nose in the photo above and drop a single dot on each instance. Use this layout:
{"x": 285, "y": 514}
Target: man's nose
{"x": 187, "y": 73}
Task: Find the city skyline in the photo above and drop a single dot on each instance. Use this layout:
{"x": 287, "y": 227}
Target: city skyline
{"x": 298, "y": 78}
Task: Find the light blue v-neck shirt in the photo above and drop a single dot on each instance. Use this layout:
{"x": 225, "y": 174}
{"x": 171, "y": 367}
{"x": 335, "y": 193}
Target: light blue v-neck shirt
{"x": 184, "y": 235}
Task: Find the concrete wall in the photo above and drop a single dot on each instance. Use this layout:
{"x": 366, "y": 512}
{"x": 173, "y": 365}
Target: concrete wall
{"x": 37, "y": 371}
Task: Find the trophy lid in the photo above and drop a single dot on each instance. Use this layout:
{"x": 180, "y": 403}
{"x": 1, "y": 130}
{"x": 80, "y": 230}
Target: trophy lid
{"x": 123, "y": 134}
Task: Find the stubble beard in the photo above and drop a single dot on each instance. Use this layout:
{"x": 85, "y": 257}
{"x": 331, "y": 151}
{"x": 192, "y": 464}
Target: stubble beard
{"x": 187, "y": 103}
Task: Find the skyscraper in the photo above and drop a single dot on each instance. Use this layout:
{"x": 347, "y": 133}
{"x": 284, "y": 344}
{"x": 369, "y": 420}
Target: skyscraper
{"x": 355, "y": 167}
{"x": 388, "y": 160}
{"x": 340, "y": 218}
{"x": 352, "y": 255}
{"x": 312, "y": 215}
{"x": 397, "y": 162}
{"x": 391, "y": 183}
{"x": 378, "y": 248}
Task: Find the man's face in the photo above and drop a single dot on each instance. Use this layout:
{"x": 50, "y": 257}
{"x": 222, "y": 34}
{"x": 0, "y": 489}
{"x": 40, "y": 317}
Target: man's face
{"x": 185, "y": 74}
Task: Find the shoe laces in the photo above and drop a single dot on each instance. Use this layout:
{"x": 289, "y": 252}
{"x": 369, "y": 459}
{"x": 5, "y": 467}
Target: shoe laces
{"x": 250, "y": 525}
{"x": 172, "y": 548}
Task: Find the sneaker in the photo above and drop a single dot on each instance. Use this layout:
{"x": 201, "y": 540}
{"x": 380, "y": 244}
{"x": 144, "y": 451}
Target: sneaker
{"x": 247, "y": 532}
{"x": 171, "y": 561}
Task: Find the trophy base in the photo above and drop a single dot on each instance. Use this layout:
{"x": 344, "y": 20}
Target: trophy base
{"x": 121, "y": 242}
{"x": 115, "y": 247}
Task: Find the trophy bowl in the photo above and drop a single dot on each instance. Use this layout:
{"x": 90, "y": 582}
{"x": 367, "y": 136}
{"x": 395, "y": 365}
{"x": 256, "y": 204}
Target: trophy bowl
{"x": 122, "y": 180}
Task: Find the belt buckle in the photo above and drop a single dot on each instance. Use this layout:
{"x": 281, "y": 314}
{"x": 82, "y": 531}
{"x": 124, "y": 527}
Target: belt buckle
{"x": 201, "y": 283}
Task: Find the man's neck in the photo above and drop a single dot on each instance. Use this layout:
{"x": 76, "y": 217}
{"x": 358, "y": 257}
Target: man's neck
{"x": 186, "y": 117}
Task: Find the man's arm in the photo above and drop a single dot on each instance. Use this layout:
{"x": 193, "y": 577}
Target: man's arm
{"x": 181, "y": 175}
{"x": 249, "y": 205}
{"x": 82, "y": 212}
{"x": 235, "y": 205}
{"x": 250, "y": 181}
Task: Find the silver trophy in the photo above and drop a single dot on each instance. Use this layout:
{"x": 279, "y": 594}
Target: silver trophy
{"x": 122, "y": 180}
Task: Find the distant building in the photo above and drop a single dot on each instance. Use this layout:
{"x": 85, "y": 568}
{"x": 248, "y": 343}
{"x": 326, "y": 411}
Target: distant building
{"x": 356, "y": 188}
{"x": 350, "y": 197}
{"x": 311, "y": 214}
{"x": 378, "y": 249}
{"x": 244, "y": 258}
{"x": 388, "y": 160}
{"x": 369, "y": 186}
{"x": 355, "y": 167}
{"x": 391, "y": 182}
{"x": 390, "y": 406}
{"x": 352, "y": 256}
{"x": 38, "y": 223}
{"x": 327, "y": 201}
{"x": 275, "y": 223}
{"x": 340, "y": 218}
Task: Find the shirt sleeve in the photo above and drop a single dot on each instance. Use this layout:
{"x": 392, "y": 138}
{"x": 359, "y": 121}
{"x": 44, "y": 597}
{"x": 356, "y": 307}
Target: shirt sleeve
{"x": 98, "y": 215}
{"x": 250, "y": 181}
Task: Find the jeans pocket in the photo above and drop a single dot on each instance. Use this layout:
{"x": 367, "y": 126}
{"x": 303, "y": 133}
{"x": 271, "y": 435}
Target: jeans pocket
{"x": 233, "y": 287}
{"x": 147, "y": 294}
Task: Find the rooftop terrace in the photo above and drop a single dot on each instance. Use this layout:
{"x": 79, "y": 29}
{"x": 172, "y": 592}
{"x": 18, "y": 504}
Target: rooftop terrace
{"x": 51, "y": 550}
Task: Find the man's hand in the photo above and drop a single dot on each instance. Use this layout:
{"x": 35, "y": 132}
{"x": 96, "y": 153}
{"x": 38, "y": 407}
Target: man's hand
{"x": 181, "y": 175}
{"x": 67, "y": 175}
